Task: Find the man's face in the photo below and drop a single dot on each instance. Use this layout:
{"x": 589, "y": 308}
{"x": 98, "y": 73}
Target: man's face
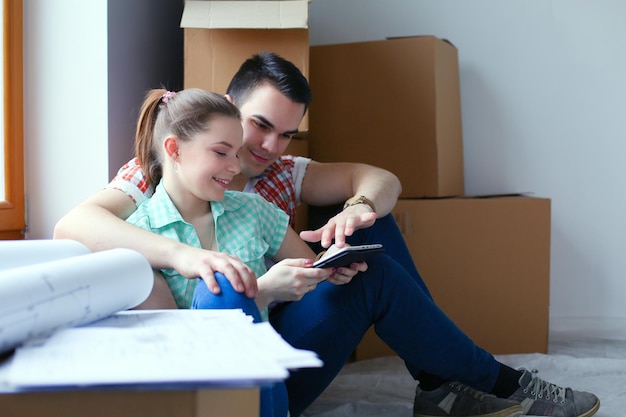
{"x": 270, "y": 120}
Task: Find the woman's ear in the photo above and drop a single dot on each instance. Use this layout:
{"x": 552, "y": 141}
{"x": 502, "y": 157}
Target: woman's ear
{"x": 170, "y": 144}
{"x": 229, "y": 98}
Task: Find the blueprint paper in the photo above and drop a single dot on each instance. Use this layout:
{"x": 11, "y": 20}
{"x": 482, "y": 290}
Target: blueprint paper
{"x": 39, "y": 298}
{"x": 158, "y": 347}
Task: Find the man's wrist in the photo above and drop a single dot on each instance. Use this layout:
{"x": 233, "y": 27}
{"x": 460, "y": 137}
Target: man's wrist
{"x": 359, "y": 199}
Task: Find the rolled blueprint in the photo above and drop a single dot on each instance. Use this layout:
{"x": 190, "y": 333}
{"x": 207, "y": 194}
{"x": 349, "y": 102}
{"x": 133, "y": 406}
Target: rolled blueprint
{"x": 14, "y": 253}
{"x": 39, "y": 298}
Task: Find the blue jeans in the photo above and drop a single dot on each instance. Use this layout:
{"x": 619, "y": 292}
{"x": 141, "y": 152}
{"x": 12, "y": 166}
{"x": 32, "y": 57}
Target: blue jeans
{"x": 392, "y": 297}
{"x": 273, "y": 398}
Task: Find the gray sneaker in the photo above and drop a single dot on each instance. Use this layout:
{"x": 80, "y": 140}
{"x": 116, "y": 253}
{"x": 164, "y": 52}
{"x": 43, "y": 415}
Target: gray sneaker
{"x": 541, "y": 398}
{"x": 459, "y": 400}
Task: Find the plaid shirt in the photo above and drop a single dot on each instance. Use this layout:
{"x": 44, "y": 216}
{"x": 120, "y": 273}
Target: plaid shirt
{"x": 279, "y": 184}
{"x": 131, "y": 180}
{"x": 246, "y": 226}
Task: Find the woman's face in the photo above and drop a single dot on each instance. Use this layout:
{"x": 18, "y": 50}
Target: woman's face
{"x": 208, "y": 162}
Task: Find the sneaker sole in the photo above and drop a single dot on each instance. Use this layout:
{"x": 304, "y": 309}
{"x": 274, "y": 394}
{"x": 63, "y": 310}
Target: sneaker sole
{"x": 589, "y": 413}
{"x": 506, "y": 413}
{"x": 509, "y": 412}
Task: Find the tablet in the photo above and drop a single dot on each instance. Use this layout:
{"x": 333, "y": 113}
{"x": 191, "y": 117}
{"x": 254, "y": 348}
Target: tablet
{"x": 335, "y": 257}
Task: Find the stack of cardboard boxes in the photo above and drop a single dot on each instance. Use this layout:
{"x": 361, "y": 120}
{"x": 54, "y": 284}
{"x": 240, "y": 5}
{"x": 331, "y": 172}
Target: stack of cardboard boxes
{"x": 395, "y": 103}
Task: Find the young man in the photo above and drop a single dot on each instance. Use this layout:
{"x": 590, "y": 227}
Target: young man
{"x": 456, "y": 377}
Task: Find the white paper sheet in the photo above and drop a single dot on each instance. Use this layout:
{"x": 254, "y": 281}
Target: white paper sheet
{"x": 38, "y": 298}
{"x": 158, "y": 347}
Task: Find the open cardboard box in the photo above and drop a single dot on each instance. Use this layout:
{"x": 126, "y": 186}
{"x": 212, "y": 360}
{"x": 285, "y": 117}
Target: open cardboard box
{"x": 221, "y": 35}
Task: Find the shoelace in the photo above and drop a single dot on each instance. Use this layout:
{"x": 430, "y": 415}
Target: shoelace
{"x": 540, "y": 389}
{"x": 479, "y": 395}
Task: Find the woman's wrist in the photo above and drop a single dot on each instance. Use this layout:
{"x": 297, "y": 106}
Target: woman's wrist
{"x": 263, "y": 298}
{"x": 171, "y": 253}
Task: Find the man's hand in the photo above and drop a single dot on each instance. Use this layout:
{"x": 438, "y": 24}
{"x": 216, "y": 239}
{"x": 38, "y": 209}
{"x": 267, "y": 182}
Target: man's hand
{"x": 355, "y": 217}
{"x": 192, "y": 262}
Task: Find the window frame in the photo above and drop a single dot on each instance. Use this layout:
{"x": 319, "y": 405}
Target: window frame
{"x": 12, "y": 208}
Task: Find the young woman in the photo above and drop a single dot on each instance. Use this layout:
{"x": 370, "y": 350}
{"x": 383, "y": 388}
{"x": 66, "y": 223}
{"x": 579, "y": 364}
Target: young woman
{"x": 193, "y": 138}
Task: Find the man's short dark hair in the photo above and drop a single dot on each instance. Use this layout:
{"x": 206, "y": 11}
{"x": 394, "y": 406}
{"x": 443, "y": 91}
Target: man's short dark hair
{"x": 268, "y": 67}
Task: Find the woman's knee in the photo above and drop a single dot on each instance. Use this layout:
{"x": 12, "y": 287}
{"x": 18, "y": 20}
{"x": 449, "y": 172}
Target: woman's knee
{"x": 203, "y": 298}
{"x": 227, "y": 298}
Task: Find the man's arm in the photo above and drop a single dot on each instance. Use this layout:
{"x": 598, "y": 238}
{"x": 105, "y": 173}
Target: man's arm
{"x": 98, "y": 222}
{"x": 332, "y": 183}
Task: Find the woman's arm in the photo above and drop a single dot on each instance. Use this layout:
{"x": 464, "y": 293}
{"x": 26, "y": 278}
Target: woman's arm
{"x": 293, "y": 276}
{"x": 99, "y": 223}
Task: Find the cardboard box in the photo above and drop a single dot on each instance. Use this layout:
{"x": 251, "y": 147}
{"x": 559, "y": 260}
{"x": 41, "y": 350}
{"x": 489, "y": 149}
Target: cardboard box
{"x": 221, "y": 35}
{"x": 300, "y": 147}
{"x": 107, "y": 403}
{"x": 486, "y": 262}
{"x": 395, "y": 104}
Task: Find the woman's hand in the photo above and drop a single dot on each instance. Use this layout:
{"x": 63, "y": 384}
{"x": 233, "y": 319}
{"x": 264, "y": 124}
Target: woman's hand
{"x": 289, "y": 280}
{"x": 192, "y": 262}
{"x": 343, "y": 275}
{"x": 292, "y": 279}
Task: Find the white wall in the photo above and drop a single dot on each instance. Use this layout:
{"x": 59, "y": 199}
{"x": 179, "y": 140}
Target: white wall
{"x": 83, "y": 86}
{"x": 543, "y": 89}
{"x": 543, "y": 96}
{"x": 65, "y": 107}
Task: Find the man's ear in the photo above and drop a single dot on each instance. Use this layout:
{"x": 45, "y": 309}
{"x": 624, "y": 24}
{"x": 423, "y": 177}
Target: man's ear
{"x": 229, "y": 98}
{"x": 170, "y": 144}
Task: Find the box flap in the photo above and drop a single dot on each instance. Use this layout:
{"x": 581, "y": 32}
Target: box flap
{"x": 418, "y": 36}
{"x": 477, "y": 196}
{"x": 239, "y": 14}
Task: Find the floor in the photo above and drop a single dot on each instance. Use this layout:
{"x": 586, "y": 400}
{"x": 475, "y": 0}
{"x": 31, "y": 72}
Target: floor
{"x": 585, "y": 354}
